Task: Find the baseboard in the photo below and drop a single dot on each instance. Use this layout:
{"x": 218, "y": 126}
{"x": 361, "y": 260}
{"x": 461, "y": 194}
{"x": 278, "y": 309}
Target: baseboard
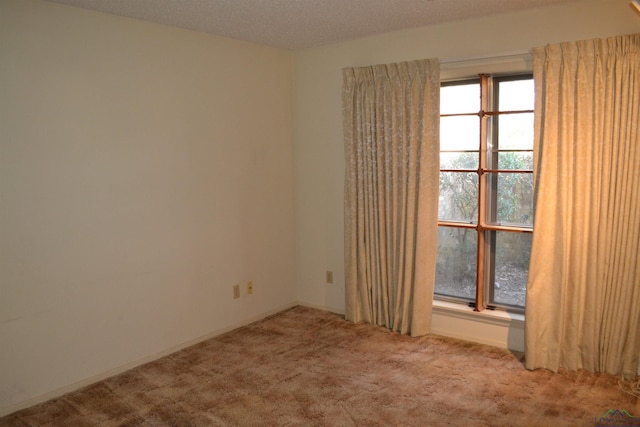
{"x": 322, "y": 307}
{"x": 120, "y": 369}
{"x": 495, "y": 328}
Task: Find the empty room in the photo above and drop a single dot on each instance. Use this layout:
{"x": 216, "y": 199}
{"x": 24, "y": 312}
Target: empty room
{"x": 319, "y": 212}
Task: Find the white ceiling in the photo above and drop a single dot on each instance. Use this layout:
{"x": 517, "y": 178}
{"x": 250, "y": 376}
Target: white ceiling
{"x": 297, "y": 24}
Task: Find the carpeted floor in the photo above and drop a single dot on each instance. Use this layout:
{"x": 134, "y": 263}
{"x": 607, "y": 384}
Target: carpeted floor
{"x": 305, "y": 367}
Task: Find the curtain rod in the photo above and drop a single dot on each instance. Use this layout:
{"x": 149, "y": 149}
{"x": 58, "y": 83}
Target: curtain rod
{"x": 505, "y": 55}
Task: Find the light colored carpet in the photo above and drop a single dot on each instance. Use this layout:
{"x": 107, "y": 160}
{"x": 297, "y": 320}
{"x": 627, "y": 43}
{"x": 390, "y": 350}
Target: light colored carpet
{"x": 306, "y": 367}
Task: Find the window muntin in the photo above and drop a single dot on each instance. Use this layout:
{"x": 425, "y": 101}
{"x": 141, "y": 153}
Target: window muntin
{"x": 486, "y": 190}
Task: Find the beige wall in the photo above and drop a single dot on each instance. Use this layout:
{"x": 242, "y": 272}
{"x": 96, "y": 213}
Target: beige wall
{"x": 144, "y": 170}
{"x": 318, "y": 145}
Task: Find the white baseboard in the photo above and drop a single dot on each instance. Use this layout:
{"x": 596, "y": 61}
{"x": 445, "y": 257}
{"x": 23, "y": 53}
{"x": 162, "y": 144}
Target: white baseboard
{"x": 120, "y": 369}
{"x": 322, "y": 307}
{"x": 495, "y": 328}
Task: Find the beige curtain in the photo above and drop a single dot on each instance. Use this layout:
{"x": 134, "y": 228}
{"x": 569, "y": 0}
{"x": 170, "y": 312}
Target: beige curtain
{"x": 391, "y": 133}
{"x": 583, "y": 296}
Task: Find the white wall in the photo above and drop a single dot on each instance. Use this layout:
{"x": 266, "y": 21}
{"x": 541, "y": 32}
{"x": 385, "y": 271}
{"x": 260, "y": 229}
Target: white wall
{"x": 134, "y": 193}
{"x": 318, "y": 145}
{"x": 144, "y": 170}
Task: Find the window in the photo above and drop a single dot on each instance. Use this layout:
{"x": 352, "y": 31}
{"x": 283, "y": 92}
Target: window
{"x": 486, "y": 191}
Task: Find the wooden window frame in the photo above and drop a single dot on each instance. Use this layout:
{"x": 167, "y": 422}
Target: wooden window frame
{"x": 488, "y": 92}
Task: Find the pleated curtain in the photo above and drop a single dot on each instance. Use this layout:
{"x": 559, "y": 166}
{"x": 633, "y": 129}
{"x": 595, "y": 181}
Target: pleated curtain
{"x": 583, "y": 291}
{"x": 391, "y": 136}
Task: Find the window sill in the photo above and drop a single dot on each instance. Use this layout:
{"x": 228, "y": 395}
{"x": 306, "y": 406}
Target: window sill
{"x": 493, "y": 317}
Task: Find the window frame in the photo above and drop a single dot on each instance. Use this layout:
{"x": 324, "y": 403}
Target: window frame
{"x": 486, "y": 229}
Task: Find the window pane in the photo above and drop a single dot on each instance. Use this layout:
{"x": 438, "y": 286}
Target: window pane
{"x": 514, "y": 204}
{"x": 516, "y": 95}
{"x": 459, "y": 133}
{"x": 457, "y": 99}
{"x": 456, "y": 262}
{"x": 515, "y": 131}
{"x": 458, "y": 196}
{"x": 511, "y": 267}
{"x": 459, "y": 160}
{"x": 515, "y": 161}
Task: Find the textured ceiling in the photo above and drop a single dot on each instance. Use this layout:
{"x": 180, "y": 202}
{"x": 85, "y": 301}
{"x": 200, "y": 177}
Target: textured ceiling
{"x": 296, "y": 24}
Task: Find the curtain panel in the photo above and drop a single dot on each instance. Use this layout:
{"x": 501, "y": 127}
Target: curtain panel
{"x": 391, "y": 135}
{"x": 583, "y": 291}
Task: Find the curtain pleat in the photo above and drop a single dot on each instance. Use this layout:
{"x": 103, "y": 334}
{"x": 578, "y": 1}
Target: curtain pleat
{"x": 583, "y": 291}
{"x": 391, "y": 133}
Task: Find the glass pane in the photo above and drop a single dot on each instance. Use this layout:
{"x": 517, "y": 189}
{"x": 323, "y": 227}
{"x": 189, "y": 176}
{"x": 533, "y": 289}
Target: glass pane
{"x": 459, "y": 133}
{"x": 512, "y": 252}
{"x": 515, "y": 131}
{"x": 456, "y": 262}
{"x": 522, "y": 160}
{"x": 516, "y": 95}
{"x": 514, "y": 204}
{"x": 458, "y": 197}
{"x": 459, "y": 160}
{"x": 457, "y": 99}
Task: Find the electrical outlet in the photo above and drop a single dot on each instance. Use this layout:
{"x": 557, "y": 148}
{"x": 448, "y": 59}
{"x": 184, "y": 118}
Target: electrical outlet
{"x": 249, "y": 287}
{"x": 329, "y": 276}
{"x": 236, "y": 291}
